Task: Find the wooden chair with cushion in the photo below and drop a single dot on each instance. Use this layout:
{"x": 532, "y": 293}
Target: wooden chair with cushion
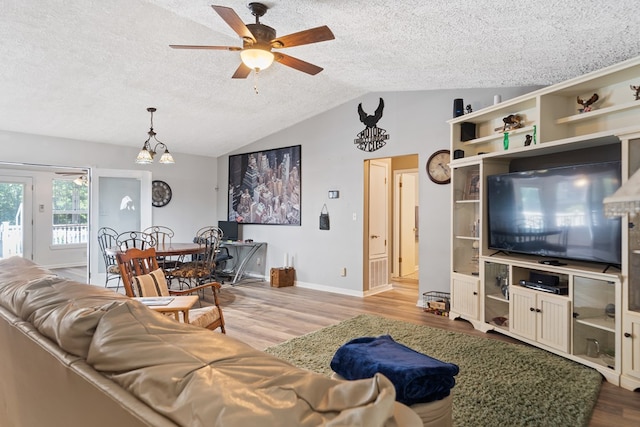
{"x": 142, "y": 277}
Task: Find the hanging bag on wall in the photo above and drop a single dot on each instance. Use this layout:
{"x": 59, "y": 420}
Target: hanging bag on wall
{"x": 324, "y": 218}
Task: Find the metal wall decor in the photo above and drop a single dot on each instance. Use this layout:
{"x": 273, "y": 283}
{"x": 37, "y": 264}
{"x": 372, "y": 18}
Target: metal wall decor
{"x": 372, "y": 138}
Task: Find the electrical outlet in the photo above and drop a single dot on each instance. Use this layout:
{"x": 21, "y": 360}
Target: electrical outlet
{"x": 343, "y": 272}
{"x": 355, "y": 217}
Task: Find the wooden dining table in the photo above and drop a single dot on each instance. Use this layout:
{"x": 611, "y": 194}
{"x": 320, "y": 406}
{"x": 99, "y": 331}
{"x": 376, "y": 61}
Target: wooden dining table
{"x": 169, "y": 249}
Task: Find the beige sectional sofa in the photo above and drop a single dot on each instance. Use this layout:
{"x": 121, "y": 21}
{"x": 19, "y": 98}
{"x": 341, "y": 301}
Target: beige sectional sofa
{"x": 74, "y": 354}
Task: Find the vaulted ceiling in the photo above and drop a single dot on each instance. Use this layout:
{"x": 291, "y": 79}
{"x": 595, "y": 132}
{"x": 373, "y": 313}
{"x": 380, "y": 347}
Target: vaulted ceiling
{"x": 87, "y": 69}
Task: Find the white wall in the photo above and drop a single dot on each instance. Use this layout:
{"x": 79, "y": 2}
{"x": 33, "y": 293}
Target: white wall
{"x": 192, "y": 180}
{"x": 416, "y": 123}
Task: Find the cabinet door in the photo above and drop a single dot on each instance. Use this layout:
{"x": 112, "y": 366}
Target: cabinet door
{"x": 631, "y": 346}
{"x": 522, "y": 312}
{"x": 465, "y": 296}
{"x": 553, "y": 321}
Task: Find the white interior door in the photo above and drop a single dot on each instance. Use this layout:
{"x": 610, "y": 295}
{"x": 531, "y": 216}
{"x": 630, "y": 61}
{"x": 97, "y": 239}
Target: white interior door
{"x": 378, "y": 223}
{"x": 408, "y": 225}
{"x": 16, "y": 226}
{"x": 120, "y": 199}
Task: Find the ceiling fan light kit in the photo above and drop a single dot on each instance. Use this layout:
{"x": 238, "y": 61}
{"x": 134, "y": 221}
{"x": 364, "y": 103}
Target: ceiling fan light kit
{"x": 257, "y": 59}
{"x": 146, "y": 154}
{"x": 258, "y": 40}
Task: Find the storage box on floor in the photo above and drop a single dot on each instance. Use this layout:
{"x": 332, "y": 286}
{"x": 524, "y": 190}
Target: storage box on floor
{"x": 281, "y": 277}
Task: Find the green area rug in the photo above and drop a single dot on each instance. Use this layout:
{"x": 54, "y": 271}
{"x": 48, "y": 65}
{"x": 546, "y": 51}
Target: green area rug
{"x": 499, "y": 384}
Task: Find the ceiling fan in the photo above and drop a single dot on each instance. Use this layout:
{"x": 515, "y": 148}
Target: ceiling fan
{"x": 258, "y": 40}
{"x": 81, "y": 177}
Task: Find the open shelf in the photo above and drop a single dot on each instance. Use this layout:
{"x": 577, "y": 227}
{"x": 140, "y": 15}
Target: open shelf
{"x": 596, "y": 113}
{"x": 498, "y": 298}
{"x": 606, "y": 324}
{"x": 498, "y": 135}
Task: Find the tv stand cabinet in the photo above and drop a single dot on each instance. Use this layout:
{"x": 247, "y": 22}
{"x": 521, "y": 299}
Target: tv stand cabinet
{"x": 596, "y": 321}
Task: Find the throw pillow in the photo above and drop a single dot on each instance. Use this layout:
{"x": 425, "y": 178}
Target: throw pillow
{"x": 153, "y": 284}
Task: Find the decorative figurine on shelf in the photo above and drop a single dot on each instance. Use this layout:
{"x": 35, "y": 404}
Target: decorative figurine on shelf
{"x": 588, "y": 103}
{"x": 469, "y": 110}
{"x": 636, "y": 89}
{"x": 512, "y": 121}
{"x": 527, "y": 140}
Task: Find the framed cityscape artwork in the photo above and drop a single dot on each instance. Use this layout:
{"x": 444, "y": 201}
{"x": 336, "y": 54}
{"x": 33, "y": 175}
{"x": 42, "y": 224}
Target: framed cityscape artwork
{"x": 265, "y": 187}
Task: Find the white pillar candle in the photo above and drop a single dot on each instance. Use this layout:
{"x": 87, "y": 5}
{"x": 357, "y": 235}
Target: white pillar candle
{"x": 497, "y": 99}
{"x": 286, "y": 260}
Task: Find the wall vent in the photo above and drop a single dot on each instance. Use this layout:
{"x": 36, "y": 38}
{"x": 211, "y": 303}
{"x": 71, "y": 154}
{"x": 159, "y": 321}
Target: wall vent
{"x": 378, "y": 275}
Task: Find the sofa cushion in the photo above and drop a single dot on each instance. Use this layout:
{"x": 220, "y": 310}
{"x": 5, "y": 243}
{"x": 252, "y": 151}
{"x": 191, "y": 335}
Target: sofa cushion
{"x": 16, "y": 273}
{"x": 64, "y": 311}
{"x": 175, "y": 367}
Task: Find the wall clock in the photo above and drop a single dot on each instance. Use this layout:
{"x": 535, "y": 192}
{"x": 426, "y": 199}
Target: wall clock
{"x": 160, "y": 194}
{"x": 438, "y": 167}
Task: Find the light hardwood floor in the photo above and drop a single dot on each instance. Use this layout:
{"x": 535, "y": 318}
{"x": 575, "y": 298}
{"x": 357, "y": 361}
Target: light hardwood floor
{"x": 263, "y": 316}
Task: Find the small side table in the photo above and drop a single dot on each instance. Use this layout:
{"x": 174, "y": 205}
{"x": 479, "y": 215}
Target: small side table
{"x": 179, "y": 304}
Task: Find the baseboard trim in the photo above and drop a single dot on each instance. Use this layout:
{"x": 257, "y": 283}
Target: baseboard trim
{"x": 331, "y": 289}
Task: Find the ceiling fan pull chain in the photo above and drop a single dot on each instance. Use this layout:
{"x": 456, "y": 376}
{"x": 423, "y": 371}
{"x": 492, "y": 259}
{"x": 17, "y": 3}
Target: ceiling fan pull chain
{"x": 255, "y": 80}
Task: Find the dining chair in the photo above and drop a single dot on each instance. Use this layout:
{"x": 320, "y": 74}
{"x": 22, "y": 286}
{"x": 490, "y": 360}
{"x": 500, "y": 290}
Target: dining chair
{"x": 135, "y": 239}
{"x": 107, "y": 238}
{"x": 164, "y": 236}
{"x": 142, "y": 277}
{"x": 202, "y": 267}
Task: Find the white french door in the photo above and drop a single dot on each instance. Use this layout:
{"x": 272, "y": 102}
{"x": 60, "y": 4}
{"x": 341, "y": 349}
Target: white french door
{"x": 120, "y": 199}
{"x": 16, "y": 231}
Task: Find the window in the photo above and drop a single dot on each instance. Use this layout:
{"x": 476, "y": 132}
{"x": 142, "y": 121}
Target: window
{"x": 70, "y": 211}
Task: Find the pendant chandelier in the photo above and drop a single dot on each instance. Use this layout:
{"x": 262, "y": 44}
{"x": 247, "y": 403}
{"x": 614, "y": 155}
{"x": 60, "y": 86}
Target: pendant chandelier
{"x": 146, "y": 154}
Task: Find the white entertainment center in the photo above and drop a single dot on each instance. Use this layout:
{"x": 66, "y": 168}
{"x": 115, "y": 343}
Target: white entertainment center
{"x": 596, "y": 322}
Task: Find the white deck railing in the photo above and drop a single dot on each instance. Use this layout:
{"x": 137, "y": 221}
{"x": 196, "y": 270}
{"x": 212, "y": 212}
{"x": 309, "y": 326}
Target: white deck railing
{"x": 67, "y": 234}
{"x": 11, "y": 239}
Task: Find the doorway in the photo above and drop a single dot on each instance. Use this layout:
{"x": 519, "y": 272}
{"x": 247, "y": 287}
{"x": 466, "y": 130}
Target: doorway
{"x": 406, "y": 227}
{"x": 391, "y": 223}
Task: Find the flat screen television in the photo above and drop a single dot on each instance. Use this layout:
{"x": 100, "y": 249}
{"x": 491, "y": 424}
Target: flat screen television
{"x": 230, "y": 230}
{"x": 556, "y": 213}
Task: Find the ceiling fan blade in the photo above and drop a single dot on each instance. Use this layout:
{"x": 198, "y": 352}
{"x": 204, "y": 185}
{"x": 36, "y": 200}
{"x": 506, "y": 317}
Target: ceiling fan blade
{"x": 233, "y": 20}
{"x": 313, "y": 35}
{"x": 188, "y": 46}
{"x": 242, "y": 72}
{"x": 298, "y": 64}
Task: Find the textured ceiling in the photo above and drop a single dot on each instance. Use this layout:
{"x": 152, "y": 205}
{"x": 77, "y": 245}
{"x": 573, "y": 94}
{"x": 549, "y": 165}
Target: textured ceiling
{"x": 87, "y": 69}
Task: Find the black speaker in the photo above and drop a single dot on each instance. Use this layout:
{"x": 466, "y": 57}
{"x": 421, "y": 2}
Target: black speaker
{"x": 467, "y": 131}
{"x": 544, "y": 279}
{"x": 458, "y": 107}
